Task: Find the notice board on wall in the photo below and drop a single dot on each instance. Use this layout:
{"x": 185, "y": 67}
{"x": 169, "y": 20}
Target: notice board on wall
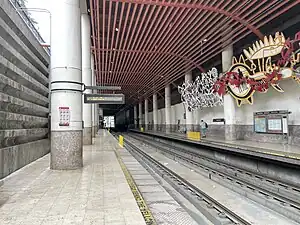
{"x": 271, "y": 122}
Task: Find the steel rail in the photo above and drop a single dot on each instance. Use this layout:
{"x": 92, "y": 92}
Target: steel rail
{"x": 175, "y": 180}
{"x": 280, "y": 196}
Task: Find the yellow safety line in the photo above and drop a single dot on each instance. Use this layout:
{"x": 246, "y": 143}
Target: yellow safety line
{"x": 137, "y": 195}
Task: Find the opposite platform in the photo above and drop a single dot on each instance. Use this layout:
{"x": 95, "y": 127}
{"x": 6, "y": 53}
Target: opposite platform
{"x": 96, "y": 194}
{"x": 280, "y": 152}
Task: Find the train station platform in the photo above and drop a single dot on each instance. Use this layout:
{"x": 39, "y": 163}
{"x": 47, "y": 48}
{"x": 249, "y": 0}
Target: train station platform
{"x": 278, "y": 152}
{"x": 96, "y": 194}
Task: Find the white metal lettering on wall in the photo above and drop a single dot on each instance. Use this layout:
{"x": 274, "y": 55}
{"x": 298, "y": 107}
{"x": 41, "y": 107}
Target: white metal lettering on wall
{"x": 200, "y": 93}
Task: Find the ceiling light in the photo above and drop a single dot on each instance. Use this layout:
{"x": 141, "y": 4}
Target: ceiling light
{"x": 117, "y": 29}
{"x": 205, "y": 39}
{"x": 161, "y": 76}
{"x": 109, "y": 71}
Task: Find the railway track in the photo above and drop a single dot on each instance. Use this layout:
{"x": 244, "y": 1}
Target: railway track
{"x": 216, "y": 212}
{"x": 280, "y": 197}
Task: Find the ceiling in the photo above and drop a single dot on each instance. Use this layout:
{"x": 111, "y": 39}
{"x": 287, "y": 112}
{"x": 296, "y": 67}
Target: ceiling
{"x": 142, "y": 45}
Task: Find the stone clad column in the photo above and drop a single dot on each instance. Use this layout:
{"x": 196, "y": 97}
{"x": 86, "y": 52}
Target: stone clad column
{"x": 168, "y": 108}
{"x": 135, "y": 116}
{"x": 146, "y": 114}
{"x": 229, "y": 101}
{"x": 66, "y": 86}
{"x": 189, "y": 115}
{"x": 140, "y": 115}
{"x": 86, "y": 77}
{"x": 155, "y": 112}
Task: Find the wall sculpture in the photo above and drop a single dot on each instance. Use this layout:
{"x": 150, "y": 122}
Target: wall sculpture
{"x": 262, "y": 66}
{"x": 201, "y": 93}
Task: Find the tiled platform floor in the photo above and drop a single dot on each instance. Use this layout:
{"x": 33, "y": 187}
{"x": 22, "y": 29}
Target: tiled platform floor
{"x": 97, "y": 194}
{"x": 284, "y": 150}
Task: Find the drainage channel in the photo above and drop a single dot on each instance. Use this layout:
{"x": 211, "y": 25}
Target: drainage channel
{"x": 216, "y": 212}
{"x": 282, "y": 203}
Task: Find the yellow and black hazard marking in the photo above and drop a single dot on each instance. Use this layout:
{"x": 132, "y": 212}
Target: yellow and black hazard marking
{"x": 137, "y": 195}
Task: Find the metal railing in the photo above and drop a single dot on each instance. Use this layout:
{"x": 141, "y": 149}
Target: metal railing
{"x": 24, "y": 15}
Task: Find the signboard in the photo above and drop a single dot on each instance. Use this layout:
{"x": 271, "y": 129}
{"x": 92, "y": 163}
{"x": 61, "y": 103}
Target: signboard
{"x": 109, "y": 121}
{"x": 105, "y": 99}
{"x": 271, "y": 122}
{"x": 64, "y": 116}
{"x": 260, "y": 124}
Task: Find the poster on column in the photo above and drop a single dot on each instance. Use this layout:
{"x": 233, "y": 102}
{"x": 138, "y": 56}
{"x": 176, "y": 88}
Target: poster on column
{"x": 64, "y": 116}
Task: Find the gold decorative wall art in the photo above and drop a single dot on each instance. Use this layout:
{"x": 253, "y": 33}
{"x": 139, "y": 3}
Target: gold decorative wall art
{"x": 262, "y": 65}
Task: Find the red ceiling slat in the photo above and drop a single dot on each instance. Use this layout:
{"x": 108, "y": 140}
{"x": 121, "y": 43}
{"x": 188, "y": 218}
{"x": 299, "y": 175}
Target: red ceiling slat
{"x": 121, "y": 62}
{"x": 117, "y": 40}
{"x": 156, "y": 38}
{"x": 236, "y": 38}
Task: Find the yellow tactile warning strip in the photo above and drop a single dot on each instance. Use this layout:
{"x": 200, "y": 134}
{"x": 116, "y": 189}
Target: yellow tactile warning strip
{"x": 137, "y": 195}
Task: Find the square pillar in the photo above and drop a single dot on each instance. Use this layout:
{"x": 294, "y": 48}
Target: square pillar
{"x": 155, "y": 112}
{"x": 229, "y": 101}
{"x": 189, "y": 115}
{"x": 146, "y": 114}
{"x": 168, "y": 108}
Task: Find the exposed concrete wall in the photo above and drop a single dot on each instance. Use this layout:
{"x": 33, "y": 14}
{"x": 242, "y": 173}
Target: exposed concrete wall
{"x": 23, "y": 93}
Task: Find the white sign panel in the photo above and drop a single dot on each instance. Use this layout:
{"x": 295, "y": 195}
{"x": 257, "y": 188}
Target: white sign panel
{"x": 109, "y": 121}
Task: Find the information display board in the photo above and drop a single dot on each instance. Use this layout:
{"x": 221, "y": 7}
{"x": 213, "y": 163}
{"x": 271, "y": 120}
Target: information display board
{"x": 272, "y": 122}
{"x": 109, "y": 121}
{"x": 260, "y": 124}
{"x": 105, "y": 99}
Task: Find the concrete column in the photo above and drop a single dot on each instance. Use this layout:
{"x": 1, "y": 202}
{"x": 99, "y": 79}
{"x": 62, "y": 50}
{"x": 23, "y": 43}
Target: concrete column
{"x": 189, "y": 115}
{"x": 168, "y": 108}
{"x": 229, "y": 101}
{"x": 155, "y": 112}
{"x": 66, "y": 86}
{"x": 93, "y": 91}
{"x": 140, "y": 115}
{"x": 135, "y": 116}
{"x": 146, "y": 114}
{"x": 86, "y": 77}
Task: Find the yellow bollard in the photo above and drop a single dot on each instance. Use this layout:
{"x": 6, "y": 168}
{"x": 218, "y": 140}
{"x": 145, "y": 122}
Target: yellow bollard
{"x": 142, "y": 129}
{"x": 121, "y": 141}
